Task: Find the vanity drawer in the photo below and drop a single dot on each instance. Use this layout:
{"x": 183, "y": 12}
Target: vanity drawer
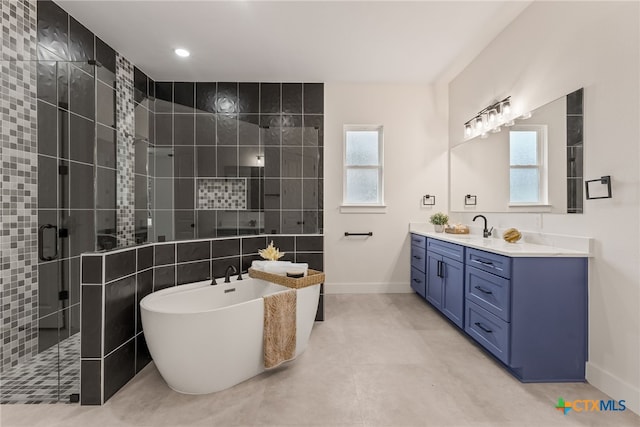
{"x": 450, "y": 250}
{"x": 487, "y": 261}
{"x": 488, "y": 330}
{"x": 419, "y": 241}
{"x": 419, "y": 282}
{"x": 418, "y": 258}
{"x": 491, "y": 292}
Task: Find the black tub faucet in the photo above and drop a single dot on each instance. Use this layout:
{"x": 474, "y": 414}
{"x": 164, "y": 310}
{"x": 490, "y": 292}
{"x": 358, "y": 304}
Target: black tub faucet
{"x": 228, "y": 272}
{"x": 485, "y": 232}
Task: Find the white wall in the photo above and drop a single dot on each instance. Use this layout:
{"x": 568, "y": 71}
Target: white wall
{"x": 551, "y": 49}
{"x": 415, "y": 164}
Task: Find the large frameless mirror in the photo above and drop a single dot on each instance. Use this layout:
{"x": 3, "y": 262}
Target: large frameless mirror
{"x": 535, "y": 165}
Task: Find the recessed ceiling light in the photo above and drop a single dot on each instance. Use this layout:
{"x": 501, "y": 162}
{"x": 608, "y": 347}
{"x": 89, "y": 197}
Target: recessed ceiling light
{"x": 182, "y": 52}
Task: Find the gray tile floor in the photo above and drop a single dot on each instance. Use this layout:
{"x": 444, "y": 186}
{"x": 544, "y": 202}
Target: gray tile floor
{"x": 378, "y": 360}
{"x": 49, "y": 377}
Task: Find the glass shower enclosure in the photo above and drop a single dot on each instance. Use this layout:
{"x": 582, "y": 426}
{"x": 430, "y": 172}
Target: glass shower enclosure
{"x": 58, "y": 201}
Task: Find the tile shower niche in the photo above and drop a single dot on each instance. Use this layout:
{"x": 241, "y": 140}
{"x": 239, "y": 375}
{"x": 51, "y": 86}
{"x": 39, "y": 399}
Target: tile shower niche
{"x": 222, "y": 193}
{"x": 235, "y": 201}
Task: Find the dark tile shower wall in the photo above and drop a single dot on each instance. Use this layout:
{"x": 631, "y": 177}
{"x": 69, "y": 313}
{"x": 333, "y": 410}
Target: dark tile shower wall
{"x": 112, "y": 337}
{"x": 575, "y": 153}
{"x": 270, "y": 134}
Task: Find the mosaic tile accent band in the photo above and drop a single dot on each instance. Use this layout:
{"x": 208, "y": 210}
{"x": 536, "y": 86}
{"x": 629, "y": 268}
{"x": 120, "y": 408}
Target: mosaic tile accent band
{"x": 220, "y": 193}
{"x": 19, "y": 186}
{"x": 125, "y": 151}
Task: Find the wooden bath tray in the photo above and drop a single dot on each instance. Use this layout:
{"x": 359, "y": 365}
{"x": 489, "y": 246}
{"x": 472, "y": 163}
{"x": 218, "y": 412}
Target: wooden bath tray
{"x": 456, "y": 231}
{"x": 313, "y": 277}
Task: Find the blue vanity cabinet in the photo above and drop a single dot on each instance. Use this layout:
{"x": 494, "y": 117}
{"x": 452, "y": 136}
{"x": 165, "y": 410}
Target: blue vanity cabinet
{"x": 529, "y": 312}
{"x": 445, "y": 279}
{"x": 418, "y": 264}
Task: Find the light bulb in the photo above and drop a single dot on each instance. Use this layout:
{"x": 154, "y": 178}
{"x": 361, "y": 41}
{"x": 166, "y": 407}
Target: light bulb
{"x": 479, "y": 123}
{"x": 505, "y": 108}
{"x": 492, "y": 116}
{"x": 484, "y": 135}
{"x": 526, "y": 115}
{"x": 467, "y": 129}
{"x": 485, "y": 121}
{"x": 183, "y": 53}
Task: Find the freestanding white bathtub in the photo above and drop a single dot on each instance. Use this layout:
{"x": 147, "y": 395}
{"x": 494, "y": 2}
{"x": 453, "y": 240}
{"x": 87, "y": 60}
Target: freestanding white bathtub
{"x": 205, "y": 338}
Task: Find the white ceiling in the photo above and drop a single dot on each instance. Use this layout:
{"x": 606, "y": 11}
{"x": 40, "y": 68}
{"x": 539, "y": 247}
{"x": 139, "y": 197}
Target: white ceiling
{"x": 324, "y": 41}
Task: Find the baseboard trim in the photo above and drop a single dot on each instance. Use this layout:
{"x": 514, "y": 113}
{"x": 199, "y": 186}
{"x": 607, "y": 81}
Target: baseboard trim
{"x": 615, "y": 387}
{"x": 367, "y": 288}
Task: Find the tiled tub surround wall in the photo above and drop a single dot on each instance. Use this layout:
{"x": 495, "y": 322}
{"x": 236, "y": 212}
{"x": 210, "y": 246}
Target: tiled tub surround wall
{"x": 222, "y": 193}
{"x": 113, "y": 284}
{"x": 271, "y": 134}
{"x": 18, "y": 157}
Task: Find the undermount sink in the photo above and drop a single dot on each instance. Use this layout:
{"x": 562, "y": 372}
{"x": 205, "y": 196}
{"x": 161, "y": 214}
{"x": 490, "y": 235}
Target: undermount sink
{"x": 467, "y": 236}
{"x": 476, "y": 239}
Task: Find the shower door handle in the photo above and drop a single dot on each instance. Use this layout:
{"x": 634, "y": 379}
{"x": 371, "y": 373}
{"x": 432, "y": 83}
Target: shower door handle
{"x": 41, "y": 242}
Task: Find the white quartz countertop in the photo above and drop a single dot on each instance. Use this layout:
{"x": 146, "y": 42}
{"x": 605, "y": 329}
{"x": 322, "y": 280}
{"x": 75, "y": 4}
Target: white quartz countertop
{"x": 499, "y": 246}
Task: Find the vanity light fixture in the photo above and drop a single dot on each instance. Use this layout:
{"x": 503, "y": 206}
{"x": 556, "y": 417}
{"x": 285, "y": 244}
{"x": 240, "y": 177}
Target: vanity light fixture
{"x": 182, "y": 53}
{"x": 490, "y": 119}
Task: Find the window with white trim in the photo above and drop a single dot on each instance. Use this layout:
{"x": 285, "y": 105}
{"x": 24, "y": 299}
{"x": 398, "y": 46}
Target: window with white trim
{"x": 527, "y": 165}
{"x": 363, "y": 163}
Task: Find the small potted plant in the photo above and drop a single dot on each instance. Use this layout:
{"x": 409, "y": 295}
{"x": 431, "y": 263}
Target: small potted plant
{"x": 439, "y": 220}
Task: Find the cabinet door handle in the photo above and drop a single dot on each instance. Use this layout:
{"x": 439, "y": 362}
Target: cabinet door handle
{"x": 417, "y": 257}
{"x": 484, "y": 328}
{"x": 439, "y": 272}
{"x": 483, "y": 290}
{"x": 417, "y": 281}
{"x": 485, "y": 262}
{"x": 416, "y": 240}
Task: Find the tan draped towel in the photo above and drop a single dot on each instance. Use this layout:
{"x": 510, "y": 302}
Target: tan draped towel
{"x": 279, "y": 328}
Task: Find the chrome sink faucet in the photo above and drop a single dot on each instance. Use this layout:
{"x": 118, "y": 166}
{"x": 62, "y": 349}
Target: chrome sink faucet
{"x": 485, "y": 232}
